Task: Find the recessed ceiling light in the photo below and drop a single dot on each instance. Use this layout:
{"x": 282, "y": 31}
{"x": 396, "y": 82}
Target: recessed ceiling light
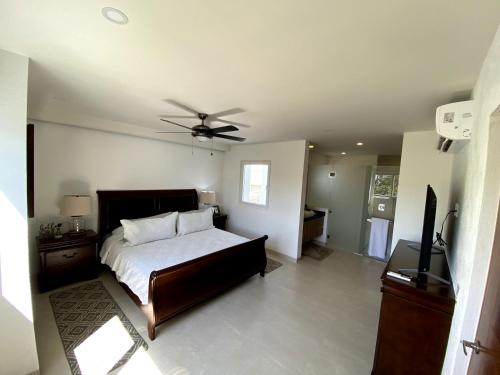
{"x": 311, "y": 146}
{"x": 359, "y": 144}
{"x": 114, "y": 15}
{"x": 343, "y": 153}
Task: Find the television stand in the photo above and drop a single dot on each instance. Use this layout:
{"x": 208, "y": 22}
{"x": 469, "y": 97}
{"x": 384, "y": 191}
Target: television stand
{"x": 415, "y": 319}
{"x": 416, "y": 246}
{"x": 428, "y": 274}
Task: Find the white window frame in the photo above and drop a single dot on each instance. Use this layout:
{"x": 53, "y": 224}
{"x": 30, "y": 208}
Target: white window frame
{"x": 242, "y": 171}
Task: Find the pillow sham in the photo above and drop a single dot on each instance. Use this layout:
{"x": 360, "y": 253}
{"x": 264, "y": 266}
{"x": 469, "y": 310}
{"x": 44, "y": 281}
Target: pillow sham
{"x": 140, "y": 231}
{"x": 195, "y": 221}
{"x": 120, "y": 229}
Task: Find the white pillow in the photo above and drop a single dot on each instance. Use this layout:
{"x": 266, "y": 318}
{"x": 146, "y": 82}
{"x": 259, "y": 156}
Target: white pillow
{"x": 120, "y": 229}
{"x": 140, "y": 231}
{"x": 195, "y": 221}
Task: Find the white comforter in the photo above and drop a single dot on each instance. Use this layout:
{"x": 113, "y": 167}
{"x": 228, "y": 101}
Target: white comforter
{"x": 134, "y": 264}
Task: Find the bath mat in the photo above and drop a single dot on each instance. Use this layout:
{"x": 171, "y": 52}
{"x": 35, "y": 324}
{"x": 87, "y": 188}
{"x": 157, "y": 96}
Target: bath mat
{"x": 272, "y": 265}
{"x": 81, "y": 311}
{"x": 317, "y": 252}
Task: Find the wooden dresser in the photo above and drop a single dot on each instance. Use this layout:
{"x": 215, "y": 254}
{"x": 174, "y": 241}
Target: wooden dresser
{"x": 415, "y": 318}
{"x": 68, "y": 259}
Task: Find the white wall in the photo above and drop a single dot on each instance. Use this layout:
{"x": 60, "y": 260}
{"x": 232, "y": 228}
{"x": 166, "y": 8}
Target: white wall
{"x": 73, "y": 160}
{"x": 17, "y": 343}
{"x": 478, "y": 167}
{"x": 421, "y": 164}
{"x": 282, "y": 219}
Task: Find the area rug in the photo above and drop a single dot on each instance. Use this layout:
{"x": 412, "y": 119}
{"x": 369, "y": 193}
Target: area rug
{"x": 317, "y": 252}
{"x": 272, "y": 265}
{"x": 81, "y": 311}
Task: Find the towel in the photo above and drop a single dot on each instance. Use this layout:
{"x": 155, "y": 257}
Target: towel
{"x": 378, "y": 238}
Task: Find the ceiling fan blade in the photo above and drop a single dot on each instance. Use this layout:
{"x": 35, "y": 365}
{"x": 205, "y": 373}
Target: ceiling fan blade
{"x": 229, "y": 137}
{"x": 224, "y": 129}
{"x": 182, "y": 106}
{"x": 175, "y": 132}
{"x": 232, "y": 111}
{"x": 230, "y": 123}
{"x": 174, "y": 123}
{"x": 174, "y": 116}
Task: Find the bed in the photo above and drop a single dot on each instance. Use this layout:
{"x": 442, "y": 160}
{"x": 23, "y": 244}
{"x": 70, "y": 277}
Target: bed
{"x": 205, "y": 269}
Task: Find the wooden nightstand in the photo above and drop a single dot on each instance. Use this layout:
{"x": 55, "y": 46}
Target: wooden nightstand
{"x": 71, "y": 258}
{"x": 220, "y": 221}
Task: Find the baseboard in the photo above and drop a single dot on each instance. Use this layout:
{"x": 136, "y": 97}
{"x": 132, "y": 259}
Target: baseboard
{"x": 280, "y": 256}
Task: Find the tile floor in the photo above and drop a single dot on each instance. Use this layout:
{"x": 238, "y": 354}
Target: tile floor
{"x": 314, "y": 317}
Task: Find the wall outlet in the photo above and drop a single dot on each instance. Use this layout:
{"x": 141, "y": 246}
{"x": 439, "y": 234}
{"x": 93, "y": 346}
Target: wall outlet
{"x": 457, "y": 206}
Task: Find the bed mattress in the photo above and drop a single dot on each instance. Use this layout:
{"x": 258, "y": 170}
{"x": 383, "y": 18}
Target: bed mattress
{"x": 133, "y": 264}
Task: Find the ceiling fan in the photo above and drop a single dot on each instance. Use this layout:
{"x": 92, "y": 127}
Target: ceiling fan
{"x": 204, "y": 133}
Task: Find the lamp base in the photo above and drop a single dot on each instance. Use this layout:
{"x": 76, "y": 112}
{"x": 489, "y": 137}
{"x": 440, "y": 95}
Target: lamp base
{"x": 78, "y": 225}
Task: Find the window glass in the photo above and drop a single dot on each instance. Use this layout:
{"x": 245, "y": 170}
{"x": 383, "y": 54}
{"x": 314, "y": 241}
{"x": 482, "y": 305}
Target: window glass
{"x": 383, "y": 185}
{"x": 255, "y": 181}
{"x": 395, "y": 186}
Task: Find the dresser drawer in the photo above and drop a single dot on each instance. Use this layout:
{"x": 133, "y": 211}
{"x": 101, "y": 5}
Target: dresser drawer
{"x": 66, "y": 261}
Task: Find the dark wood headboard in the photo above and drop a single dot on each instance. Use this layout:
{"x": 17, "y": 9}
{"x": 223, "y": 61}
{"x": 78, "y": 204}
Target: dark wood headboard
{"x": 115, "y": 205}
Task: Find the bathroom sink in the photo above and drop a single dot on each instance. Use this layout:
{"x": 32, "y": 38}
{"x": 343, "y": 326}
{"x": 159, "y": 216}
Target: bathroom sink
{"x": 309, "y": 213}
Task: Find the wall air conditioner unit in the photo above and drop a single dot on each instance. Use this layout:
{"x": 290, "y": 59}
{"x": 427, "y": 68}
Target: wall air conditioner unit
{"x": 454, "y": 123}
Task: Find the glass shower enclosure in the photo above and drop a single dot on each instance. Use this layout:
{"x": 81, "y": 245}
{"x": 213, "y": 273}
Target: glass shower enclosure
{"x": 381, "y": 203}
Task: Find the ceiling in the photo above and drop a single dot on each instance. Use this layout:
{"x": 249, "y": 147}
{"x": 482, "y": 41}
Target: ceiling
{"x": 331, "y": 71}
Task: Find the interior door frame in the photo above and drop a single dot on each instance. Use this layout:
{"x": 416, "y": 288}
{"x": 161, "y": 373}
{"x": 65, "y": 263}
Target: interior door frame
{"x": 482, "y": 261}
{"x": 489, "y": 296}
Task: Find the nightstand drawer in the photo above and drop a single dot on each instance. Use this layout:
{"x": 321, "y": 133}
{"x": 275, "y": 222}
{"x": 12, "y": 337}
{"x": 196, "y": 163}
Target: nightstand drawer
{"x": 77, "y": 256}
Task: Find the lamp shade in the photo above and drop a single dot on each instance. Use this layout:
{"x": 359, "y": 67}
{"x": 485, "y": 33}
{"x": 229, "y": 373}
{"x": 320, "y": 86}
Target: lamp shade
{"x": 207, "y": 197}
{"x": 75, "y": 205}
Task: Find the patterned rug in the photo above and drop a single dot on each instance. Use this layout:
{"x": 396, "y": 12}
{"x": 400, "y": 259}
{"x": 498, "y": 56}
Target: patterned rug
{"x": 81, "y": 311}
{"x": 272, "y": 265}
{"x": 317, "y": 252}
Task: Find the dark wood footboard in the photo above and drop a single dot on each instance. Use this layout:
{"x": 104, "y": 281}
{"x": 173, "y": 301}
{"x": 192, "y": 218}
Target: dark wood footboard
{"x": 177, "y": 288}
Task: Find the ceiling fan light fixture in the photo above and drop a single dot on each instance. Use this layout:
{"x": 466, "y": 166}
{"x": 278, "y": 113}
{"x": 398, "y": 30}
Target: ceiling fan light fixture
{"x": 202, "y": 138}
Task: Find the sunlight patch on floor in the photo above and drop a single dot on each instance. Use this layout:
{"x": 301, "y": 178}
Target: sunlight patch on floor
{"x": 104, "y": 348}
{"x": 140, "y": 363}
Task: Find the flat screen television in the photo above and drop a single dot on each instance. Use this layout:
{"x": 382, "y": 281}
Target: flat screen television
{"x": 424, "y": 261}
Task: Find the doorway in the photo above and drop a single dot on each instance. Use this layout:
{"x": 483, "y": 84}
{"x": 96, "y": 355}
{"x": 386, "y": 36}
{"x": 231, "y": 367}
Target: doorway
{"x": 351, "y": 189}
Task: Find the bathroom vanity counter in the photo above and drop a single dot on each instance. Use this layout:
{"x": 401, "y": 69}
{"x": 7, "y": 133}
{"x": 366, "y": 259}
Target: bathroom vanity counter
{"x": 313, "y": 226}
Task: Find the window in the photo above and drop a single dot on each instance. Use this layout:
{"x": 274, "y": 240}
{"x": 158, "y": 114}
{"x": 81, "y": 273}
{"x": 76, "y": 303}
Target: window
{"x": 255, "y": 182}
{"x": 386, "y": 185}
{"x": 395, "y": 186}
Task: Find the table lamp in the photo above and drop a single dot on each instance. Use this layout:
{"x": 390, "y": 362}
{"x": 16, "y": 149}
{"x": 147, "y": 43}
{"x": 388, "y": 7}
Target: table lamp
{"x": 207, "y": 198}
{"x": 76, "y": 206}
